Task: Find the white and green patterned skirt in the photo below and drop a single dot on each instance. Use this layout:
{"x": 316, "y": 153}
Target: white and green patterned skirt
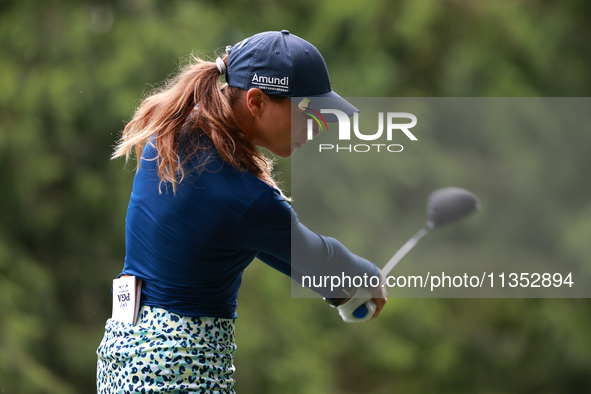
{"x": 165, "y": 352}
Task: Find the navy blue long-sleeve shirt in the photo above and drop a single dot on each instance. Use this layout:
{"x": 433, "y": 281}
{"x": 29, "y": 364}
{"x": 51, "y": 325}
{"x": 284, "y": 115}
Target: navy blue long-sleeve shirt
{"x": 191, "y": 247}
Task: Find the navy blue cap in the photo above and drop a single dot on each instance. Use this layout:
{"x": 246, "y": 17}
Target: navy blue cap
{"x": 283, "y": 64}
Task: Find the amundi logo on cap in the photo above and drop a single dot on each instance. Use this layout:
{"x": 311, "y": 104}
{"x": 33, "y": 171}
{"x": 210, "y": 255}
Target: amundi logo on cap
{"x": 271, "y": 83}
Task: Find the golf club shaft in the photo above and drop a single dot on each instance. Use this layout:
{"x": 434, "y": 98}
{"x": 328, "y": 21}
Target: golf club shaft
{"x": 362, "y": 308}
{"x": 407, "y": 247}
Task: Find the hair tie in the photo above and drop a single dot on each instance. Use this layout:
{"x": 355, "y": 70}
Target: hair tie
{"x": 221, "y": 65}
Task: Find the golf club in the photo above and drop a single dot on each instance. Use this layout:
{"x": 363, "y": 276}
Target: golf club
{"x": 444, "y": 206}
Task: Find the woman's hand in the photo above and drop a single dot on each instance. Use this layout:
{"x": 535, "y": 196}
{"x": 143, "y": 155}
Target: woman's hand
{"x": 380, "y": 296}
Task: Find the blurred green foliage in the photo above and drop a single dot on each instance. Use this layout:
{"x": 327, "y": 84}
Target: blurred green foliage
{"x": 71, "y": 73}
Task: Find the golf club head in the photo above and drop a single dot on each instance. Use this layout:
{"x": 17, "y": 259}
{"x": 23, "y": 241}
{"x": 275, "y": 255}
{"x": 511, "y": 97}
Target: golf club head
{"x": 448, "y": 205}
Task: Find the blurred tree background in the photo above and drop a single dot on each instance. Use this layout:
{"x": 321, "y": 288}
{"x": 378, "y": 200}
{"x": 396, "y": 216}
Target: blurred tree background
{"x": 71, "y": 74}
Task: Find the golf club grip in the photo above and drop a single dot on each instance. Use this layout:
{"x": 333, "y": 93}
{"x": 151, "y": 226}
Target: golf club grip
{"x": 358, "y": 309}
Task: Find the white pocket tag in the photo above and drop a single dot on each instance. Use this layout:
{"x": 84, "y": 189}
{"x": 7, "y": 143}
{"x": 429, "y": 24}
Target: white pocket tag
{"x": 126, "y": 299}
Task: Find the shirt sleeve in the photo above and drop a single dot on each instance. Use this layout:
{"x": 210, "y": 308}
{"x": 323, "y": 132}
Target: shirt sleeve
{"x": 270, "y": 226}
{"x": 280, "y": 265}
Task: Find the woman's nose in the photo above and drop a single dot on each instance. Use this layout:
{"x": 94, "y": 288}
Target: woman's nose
{"x": 316, "y": 130}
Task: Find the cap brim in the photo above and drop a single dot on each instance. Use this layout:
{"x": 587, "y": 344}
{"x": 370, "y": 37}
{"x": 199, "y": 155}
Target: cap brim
{"x": 330, "y": 100}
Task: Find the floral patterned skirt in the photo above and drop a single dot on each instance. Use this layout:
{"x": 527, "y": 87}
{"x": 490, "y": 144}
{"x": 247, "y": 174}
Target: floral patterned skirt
{"x": 165, "y": 352}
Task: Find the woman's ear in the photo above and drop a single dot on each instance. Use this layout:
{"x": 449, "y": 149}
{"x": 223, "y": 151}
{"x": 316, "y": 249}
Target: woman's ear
{"x": 255, "y": 101}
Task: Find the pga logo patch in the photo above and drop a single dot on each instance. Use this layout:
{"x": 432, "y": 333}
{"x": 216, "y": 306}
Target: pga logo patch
{"x": 393, "y": 128}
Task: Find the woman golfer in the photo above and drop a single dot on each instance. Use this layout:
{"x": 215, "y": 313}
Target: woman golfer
{"x": 204, "y": 204}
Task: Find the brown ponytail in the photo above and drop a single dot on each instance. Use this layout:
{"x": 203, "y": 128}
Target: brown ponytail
{"x": 162, "y": 115}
